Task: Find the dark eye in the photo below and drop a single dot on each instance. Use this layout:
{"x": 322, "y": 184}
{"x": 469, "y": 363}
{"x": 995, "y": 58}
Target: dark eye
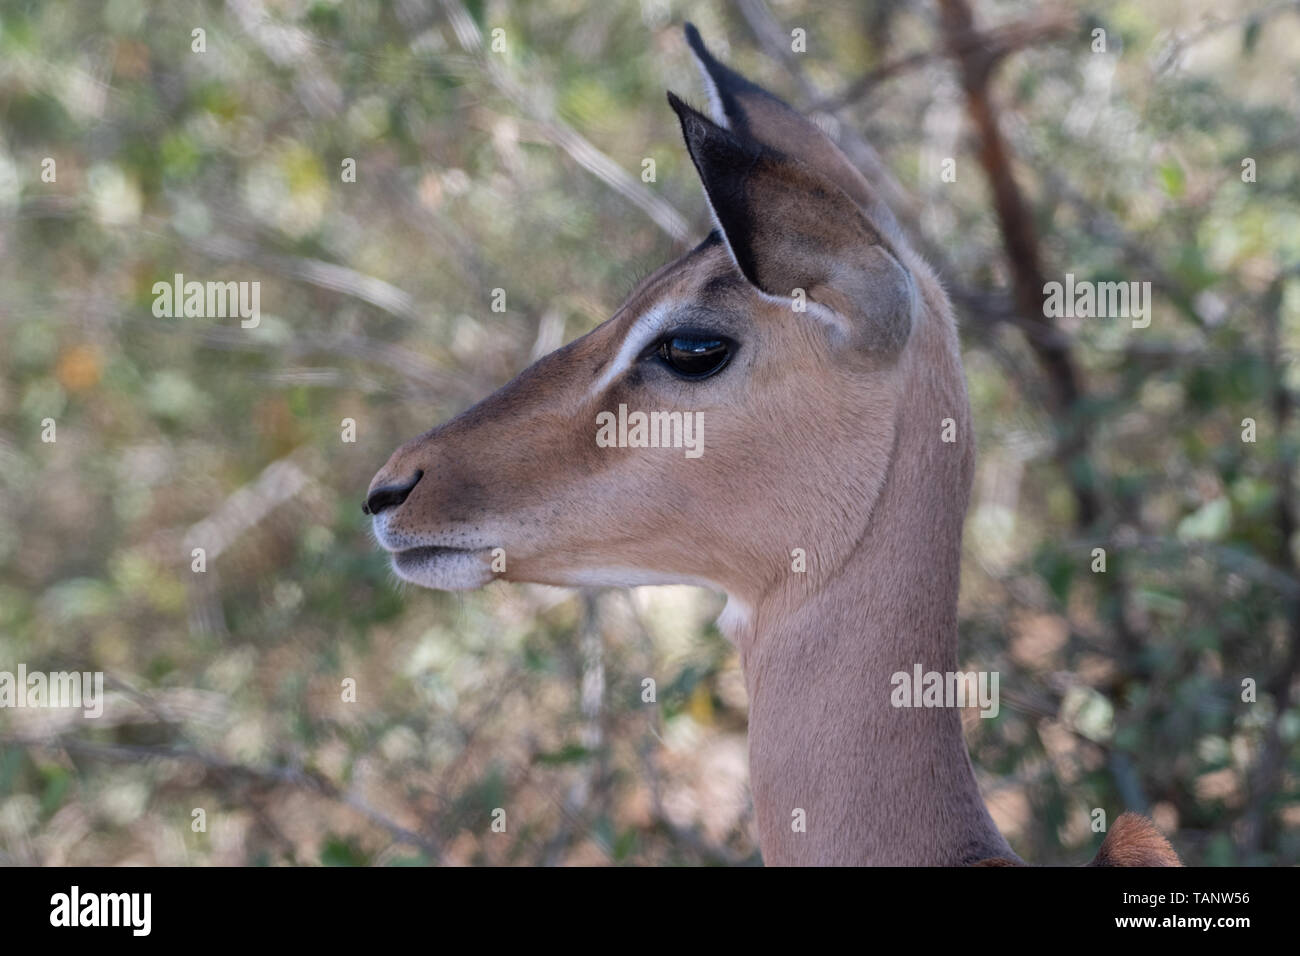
{"x": 692, "y": 356}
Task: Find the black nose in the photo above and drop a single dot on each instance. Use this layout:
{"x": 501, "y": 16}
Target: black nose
{"x": 389, "y": 496}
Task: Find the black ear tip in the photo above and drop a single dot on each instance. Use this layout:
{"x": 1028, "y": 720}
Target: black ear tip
{"x": 697, "y": 127}
{"x": 694, "y": 123}
{"x": 696, "y": 43}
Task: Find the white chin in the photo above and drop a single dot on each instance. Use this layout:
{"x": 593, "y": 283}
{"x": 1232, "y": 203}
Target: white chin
{"x": 443, "y": 569}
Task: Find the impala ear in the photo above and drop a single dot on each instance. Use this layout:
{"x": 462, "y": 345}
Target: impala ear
{"x": 747, "y": 109}
{"x": 791, "y": 229}
{"x": 723, "y": 84}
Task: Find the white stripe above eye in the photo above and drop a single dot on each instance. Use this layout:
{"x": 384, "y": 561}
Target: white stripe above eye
{"x": 648, "y": 327}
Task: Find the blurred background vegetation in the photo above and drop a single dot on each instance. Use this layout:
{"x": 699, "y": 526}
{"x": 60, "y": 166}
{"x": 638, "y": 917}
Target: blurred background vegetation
{"x": 521, "y": 170}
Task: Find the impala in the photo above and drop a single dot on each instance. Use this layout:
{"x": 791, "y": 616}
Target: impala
{"x": 822, "y": 354}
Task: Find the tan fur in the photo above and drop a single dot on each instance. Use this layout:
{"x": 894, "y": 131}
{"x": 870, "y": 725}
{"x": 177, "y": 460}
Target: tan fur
{"x": 814, "y": 439}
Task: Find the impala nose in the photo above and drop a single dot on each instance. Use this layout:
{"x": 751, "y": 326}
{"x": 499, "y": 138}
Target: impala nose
{"x": 389, "y": 496}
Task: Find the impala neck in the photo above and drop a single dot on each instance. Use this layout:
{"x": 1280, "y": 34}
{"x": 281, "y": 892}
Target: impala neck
{"x": 877, "y": 784}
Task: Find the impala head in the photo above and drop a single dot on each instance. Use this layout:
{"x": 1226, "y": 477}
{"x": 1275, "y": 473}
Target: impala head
{"x": 785, "y": 343}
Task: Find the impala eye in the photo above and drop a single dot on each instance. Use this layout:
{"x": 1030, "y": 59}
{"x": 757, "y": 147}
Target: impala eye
{"x": 692, "y": 356}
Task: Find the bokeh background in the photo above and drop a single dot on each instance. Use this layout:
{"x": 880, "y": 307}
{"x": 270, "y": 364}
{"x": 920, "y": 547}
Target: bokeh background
{"x": 522, "y": 170}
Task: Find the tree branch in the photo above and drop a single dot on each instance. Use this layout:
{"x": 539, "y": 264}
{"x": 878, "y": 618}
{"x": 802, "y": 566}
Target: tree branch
{"x": 578, "y": 147}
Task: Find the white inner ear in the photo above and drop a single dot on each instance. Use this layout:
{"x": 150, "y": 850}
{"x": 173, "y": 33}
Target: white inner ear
{"x": 839, "y": 324}
{"x": 716, "y": 112}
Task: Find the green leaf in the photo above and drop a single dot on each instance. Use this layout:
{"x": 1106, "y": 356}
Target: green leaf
{"x": 1173, "y": 178}
{"x": 1250, "y": 36}
{"x": 341, "y": 852}
{"x": 1210, "y": 522}
{"x": 570, "y": 753}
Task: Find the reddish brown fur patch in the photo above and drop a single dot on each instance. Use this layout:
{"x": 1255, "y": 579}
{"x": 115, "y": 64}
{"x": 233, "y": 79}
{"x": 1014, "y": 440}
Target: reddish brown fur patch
{"x": 1134, "y": 841}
